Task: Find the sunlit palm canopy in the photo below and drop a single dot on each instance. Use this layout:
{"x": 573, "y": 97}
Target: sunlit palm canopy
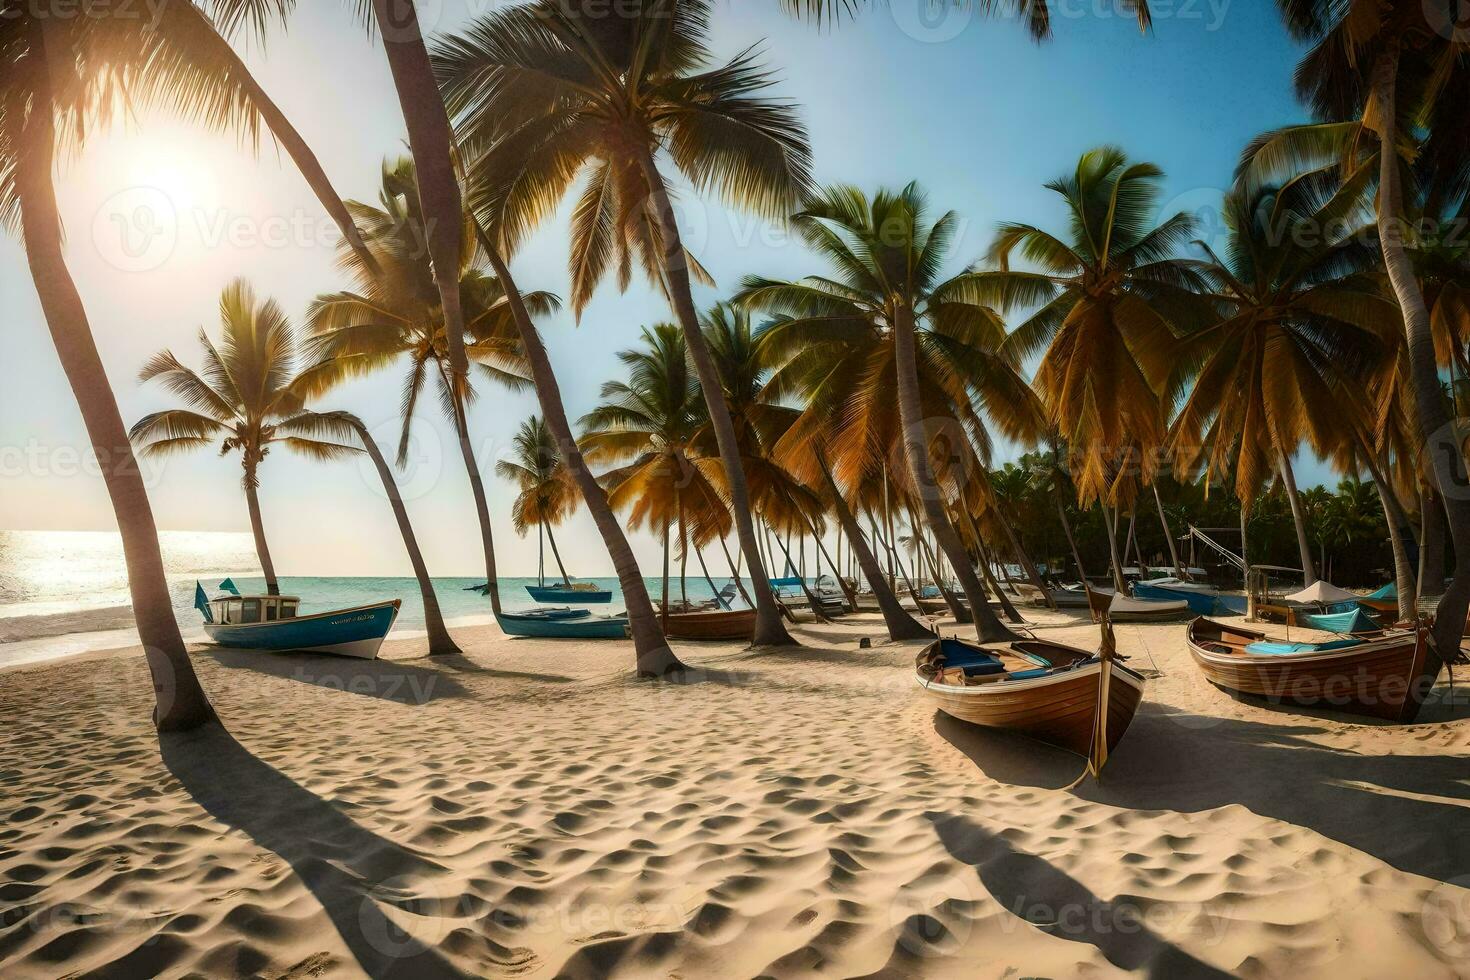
{"x": 1104, "y": 296}
{"x": 548, "y": 93}
{"x": 548, "y": 494}
{"x": 394, "y": 312}
{"x": 1303, "y": 323}
{"x": 648, "y": 425}
{"x": 830, "y": 343}
{"x": 245, "y": 398}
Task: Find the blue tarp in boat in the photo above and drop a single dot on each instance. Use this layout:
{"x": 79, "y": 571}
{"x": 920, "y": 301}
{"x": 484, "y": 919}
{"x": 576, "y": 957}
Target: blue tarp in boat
{"x": 1353, "y": 620}
{"x": 1271, "y": 646}
{"x": 1389, "y": 591}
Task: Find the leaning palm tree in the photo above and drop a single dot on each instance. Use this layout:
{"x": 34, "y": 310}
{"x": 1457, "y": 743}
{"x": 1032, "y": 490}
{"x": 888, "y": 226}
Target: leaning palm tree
{"x": 42, "y": 81}
{"x": 911, "y": 330}
{"x": 1298, "y": 321}
{"x": 243, "y": 401}
{"x": 650, "y": 426}
{"x": 546, "y": 92}
{"x": 1382, "y": 74}
{"x": 394, "y": 314}
{"x": 547, "y": 495}
{"x": 1106, "y": 295}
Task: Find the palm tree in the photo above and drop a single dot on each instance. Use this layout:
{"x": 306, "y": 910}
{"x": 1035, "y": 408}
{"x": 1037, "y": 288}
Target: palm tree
{"x": 547, "y": 496}
{"x": 1299, "y": 320}
{"x": 1392, "y": 71}
{"x": 32, "y": 49}
{"x": 651, "y": 424}
{"x": 544, "y": 93}
{"x": 1106, "y": 295}
{"x": 394, "y": 313}
{"x": 244, "y": 401}
{"x": 888, "y": 319}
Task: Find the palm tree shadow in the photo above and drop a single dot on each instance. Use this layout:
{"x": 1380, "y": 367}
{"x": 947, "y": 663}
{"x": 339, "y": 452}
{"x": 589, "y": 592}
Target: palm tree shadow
{"x": 1059, "y": 905}
{"x": 387, "y": 680}
{"x": 350, "y": 870}
{"x": 1405, "y": 810}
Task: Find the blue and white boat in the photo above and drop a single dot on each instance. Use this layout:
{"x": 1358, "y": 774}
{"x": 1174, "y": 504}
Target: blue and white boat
{"x": 274, "y": 622}
{"x": 563, "y": 624}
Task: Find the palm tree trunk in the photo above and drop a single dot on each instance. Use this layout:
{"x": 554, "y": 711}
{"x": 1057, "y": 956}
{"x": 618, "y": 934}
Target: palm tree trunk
{"x": 922, "y": 559}
{"x": 1027, "y": 565}
{"x": 901, "y": 626}
{"x": 683, "y": 560}
{"x": 180, "y": 702}
{"x": 1110, "y": 523}
{"x": 1071, "y": 540}
{"x": 1438, "y": 435}
{"x": 987, "y": 627}
{"x": 1245, "y": 548}
{"x": 1131, "y": 543}
{"x": 477, "y": 489}
{"x": 735, "y": 573}
{"x": 540, "y": 555}
{"x": 1006, "y": 606}
{"x": 1298, "y": 517}
{"x": 847, "y": 590}
{"x": 440, "y": 642}
{"x": 257, "y": 528}
{"x": 556, "y": 554}
{"x": 651, "y": 647}
{"x": 663, "y": 601}
{"x": 1431, "y": 543}
{"x": 430, "y": 141}
{"x": 1399, "y": 536}
{"x": 1168, "y": 534}
{"x": 275, "y": 120}
{"x": 769, "y": 630}
{"x": 811, "y": 600}
{"x": 704, "y": 570}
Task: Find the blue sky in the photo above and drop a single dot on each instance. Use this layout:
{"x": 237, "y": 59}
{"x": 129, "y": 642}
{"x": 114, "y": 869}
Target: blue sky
{"x": 969, "y": 107}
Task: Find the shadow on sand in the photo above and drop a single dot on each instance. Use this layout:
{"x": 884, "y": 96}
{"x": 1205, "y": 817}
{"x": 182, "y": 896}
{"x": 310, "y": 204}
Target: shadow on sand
{"x": 387, "y": 680}
{"x": 350, "y": 870}
{"x": 1405, "y": 810}
{"x": 1059, "y": 905}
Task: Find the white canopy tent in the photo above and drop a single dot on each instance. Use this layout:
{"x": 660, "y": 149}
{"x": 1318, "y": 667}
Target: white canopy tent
{"x": 1323, "y": 592}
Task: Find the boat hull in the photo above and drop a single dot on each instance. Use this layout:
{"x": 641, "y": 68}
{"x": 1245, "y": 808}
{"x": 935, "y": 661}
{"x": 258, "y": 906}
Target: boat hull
{"x": 1201, "y": 603}
{"x": 1059, "y": 709}
{"x": 552, "y": 593}
{"x": 1122, "y": 609}
{"x": 715, "y": 624}
{"x": 564, "y": 627}
{"x": 1379, "y": 678}
{"x": 356, "y": 632}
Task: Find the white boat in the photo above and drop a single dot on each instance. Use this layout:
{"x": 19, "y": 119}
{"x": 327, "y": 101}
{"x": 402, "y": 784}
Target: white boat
{"x": 1124, "y": 609}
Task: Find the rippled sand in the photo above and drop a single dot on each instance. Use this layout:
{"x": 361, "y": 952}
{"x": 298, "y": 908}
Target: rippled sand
{"x": 527, "y": 810}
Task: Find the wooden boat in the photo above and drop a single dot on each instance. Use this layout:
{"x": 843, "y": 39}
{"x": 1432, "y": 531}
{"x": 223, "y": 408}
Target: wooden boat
{"x": 713, "y": 624}
{"x": 563, "y": 624}
{"x": 569, "y": 592}
{"x": 1378, "y": 676}
{"x": 273, "y": 622}
{"x": 1044, "y": 690}
{"x": 1129, "y": 609}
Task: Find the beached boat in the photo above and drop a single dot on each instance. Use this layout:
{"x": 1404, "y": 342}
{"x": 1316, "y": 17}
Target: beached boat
{"x": 1377, "y": 676}
{"x": 711, "y": 624}
{"x": 563, "y": 624}
{"x": 1201, "y": 600}
{"x": 1044, "y": 690}
{"x": 274, "y": 622}
{"x": 1130, "y": 609}
{"x": 569, "y": 592}
{"x": 1350, "y": 620}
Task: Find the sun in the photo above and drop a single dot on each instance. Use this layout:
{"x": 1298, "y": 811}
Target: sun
{"x": 174, "y": 169}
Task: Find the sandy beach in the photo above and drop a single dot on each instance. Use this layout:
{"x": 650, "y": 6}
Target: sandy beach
{"x": 529, "y": 810}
